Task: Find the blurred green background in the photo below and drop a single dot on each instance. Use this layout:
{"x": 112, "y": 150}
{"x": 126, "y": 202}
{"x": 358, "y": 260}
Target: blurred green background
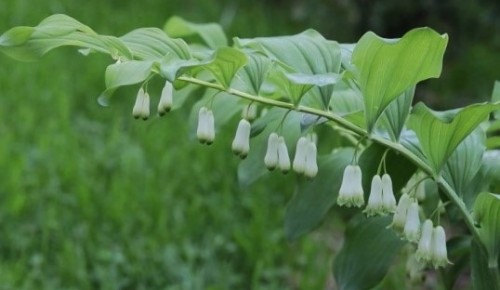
{"x": 92, "y": 199}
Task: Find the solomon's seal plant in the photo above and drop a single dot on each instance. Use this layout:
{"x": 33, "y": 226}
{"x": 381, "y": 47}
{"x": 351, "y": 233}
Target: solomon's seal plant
{"x": 409, "y": 162}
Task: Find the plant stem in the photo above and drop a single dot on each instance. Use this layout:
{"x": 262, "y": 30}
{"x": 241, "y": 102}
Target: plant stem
{"x": 397, "y": 147}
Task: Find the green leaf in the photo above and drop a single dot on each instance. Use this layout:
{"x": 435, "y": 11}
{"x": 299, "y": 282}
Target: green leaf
{"x": 313, "y": 198}
{"x": 396, "y": 113}
{"x": 368, "y": 251}
{"x": 482, "y": 276}
{"x": 30, "y": 43}
{"x": 154, "y": 44}
{"x": 307, "y": 53}
{"x": 487, "y": 217}
{"x": 385, "y": 68}
{"x": 122, "y": 74}
{"x": 211, "y": 33}
{"x": 440, "y": 133}
{"x": 470, "y": 152}
{"x": 495, "y": 97}
{"x": 253, "y": 168}
{"x": 254, "y": 73}
{"x": 226, "y": 63}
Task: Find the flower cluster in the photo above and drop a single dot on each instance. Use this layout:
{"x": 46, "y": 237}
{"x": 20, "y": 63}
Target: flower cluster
{"x": 206, "y": 126}
{"x": 141, "y": 105}
{"x": 304, "y": 161}
{"x": 406, "y": 219}
{"x": 277, "y": 153}
{"x": 241, "y": 141}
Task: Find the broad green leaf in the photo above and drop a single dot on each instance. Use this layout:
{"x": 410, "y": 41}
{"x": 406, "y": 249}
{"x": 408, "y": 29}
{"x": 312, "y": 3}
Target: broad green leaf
{"x": 122, "y": 74}
{"x": 482, "y": 277}
{"x": 491, "y": 164}
{"x": 493, "y": 142}
{"x": 254, "y": 73}
{"x": 30, "y": 43}
{"x": 495, "y": 97}
{"x": 346, "y": 100}
{"x": 154, "y": 44}
{"x": 385, "y": 68}
{"x": 440, "y": 133}
{"x": 396, "y": 113}
{"x": 211, "y": 33}
{"x": 487, "y": 217}
{"x": 465, "y": 162}
{"x": 307, "y": 53}
{"x": 368, "y": 251}
{"x": 253, "y": 168}
{"x": 226, "y": 63}
{"x": 313, "y": 198}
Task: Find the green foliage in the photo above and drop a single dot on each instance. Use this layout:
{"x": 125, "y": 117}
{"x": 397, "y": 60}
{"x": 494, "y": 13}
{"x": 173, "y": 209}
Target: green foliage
{"x": 363, "y": 91}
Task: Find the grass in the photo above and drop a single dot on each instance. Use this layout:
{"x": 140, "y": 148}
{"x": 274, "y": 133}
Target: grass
{"x": 92, "y": 199}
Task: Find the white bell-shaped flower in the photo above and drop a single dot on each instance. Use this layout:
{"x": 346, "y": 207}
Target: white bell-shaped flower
{"x": 412, "y": 225}
{"x": 206, "y": 126}
{"x": 375, "y": 200}
{"x": 283, "y": 157}
{"x": 388, "y": 199}
{"x": 399, "y": 218}
{"x": 166, "y": 99}
{"x": 439, "y": 255}
{"x": 415, "y": 269}
{"x": 141, "y": 105}
{"x": 241, "y": 141}
{"x": 271, "y": 158}
{"x": 311, "y": 163}
{"x": 299, "y": 161}
{"x": 424, "y": 244}
{"x": 351, "y": 189}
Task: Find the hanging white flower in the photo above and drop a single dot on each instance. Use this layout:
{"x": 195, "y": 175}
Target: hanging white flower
{"x": 439, "y": 255}
{"x": 166, "y": 99}
{"x": 206, "y": 126}
{"x": 299, "y": 161}
{"x": 375, "y": 200}
{"x": 271, "y": 158}
{"x": 399, "y": 218}
{"x": 415, "y": 269}
{"x": 241, "y": 141}
{"x": 388, "y": 199}
{"x": 412, "y": 225}
{"x": 351, "y": 190}
{"x": 141, "y": 105}
{"x": 283, "y": 158}
{"x": 424, "y": 244}
{"x": 311, "y": 163}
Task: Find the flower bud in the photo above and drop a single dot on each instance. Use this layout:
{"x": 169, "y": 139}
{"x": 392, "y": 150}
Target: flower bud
{"x": 283, "y": 158}
{"x": 166, "y": 99}
{"x": 249, "y": 112}
{"x": 375, "y": 202}
{"x": 439, "y": 256}
{"x": 299, "y": 161}
{"x": 424, "y": 245}
{"x": 271, "y": 158}
{"x": 311, "y": 164}
{"x": 351, "y": 189}
{"x": 388, "y": 199}
{"x": 241, "y": 142}
{"x": 399, "y": 218}
{"x": 141, "y": 105}
{"x": 412, "y": 225}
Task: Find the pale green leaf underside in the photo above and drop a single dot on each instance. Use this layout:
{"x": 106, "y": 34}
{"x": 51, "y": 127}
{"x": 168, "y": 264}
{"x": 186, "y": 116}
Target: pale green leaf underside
{"x": 495, "y": 97}
{"x": 385, "y": 68}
